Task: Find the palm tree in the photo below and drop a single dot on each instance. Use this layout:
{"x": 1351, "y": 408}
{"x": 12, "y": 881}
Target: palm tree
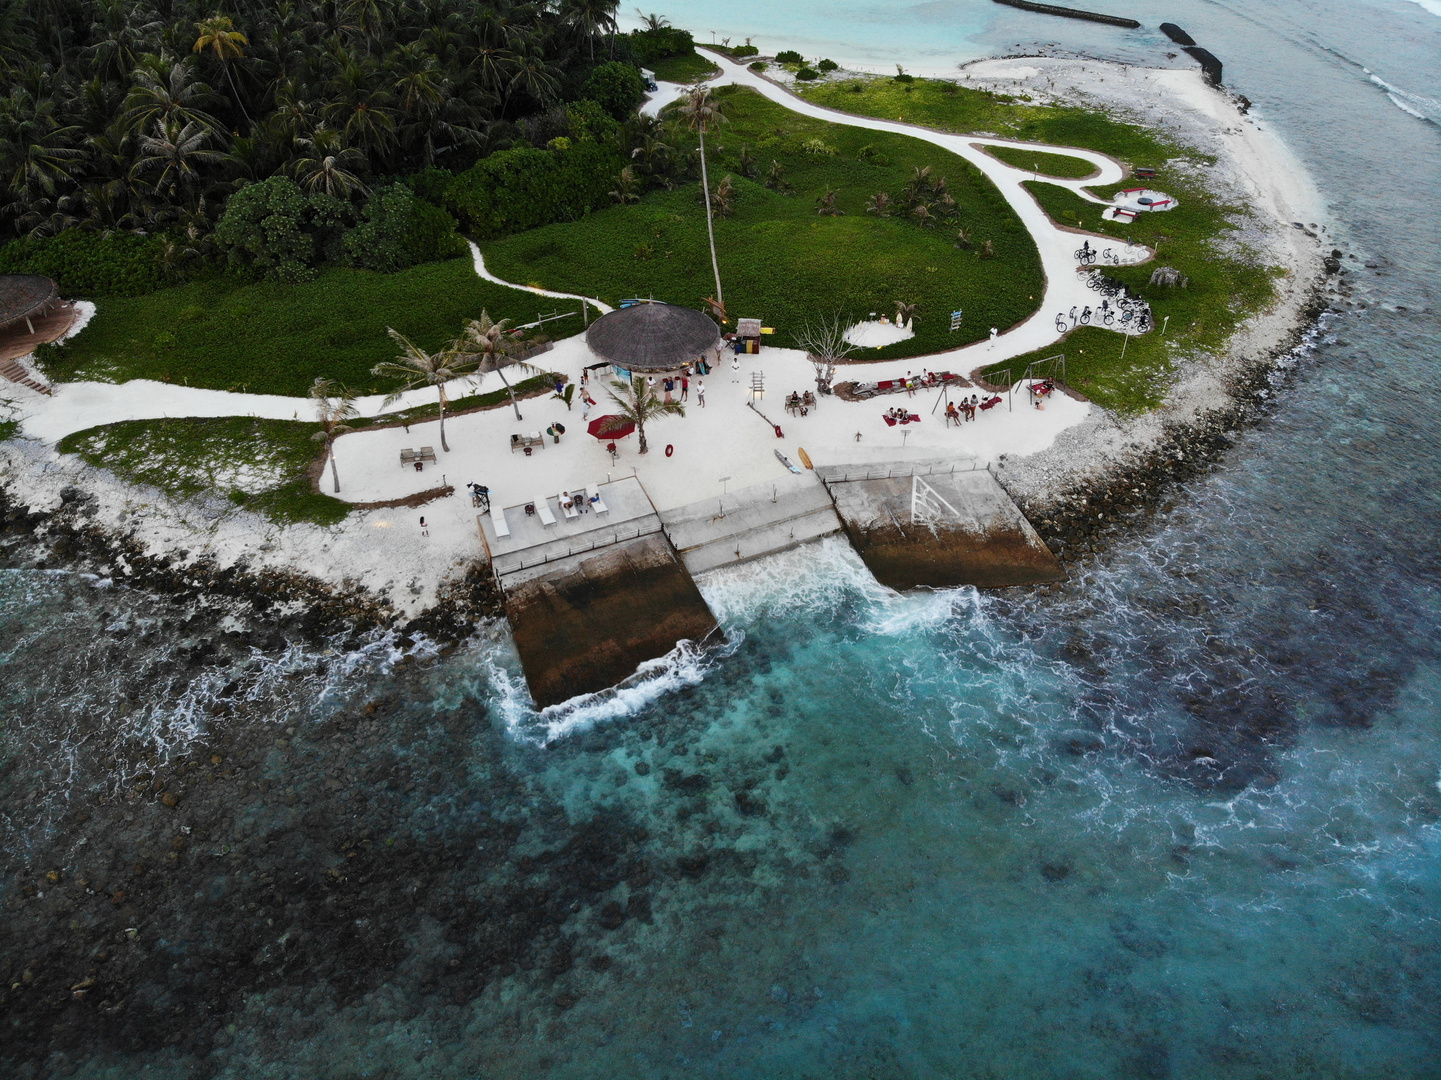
{"x": 176, "y": 152}
{"x": 700, "y": 111}
{"x": 218, "y": 35}
{"x": 167, "y": 94}
{"x": 333, "y": 406}
{"x": 419, "y": 368}
{"x": 879, "y": 204}
{"x": 638, "y": 404}
{"x": 653, "y": 21}
{"x": 323, "y": 167}
{"x": 490, "y": 344}
{"x": 625, "y": 185}
{"x": 591, "y": 18}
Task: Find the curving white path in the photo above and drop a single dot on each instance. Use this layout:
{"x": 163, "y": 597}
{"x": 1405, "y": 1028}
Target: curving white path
{"x": 79, "y": 405}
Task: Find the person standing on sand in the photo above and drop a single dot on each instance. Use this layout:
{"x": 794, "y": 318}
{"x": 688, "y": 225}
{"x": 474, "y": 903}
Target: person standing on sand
{"x": 424, "y": 528}
{"x": 992, "y": 345}
{"x": 700, "y": 392}
{"x": 685, "y": 387}
{"x": 736, "y": 369}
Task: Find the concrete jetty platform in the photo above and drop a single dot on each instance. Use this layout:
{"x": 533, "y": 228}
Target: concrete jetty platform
{"x": 758, "y": 520}
{"x": 938, "y": 524}
{"x": 591, "y": 598}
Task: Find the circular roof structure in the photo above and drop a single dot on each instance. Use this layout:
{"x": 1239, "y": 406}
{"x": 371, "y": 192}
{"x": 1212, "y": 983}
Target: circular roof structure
{"x": 23, "y": 296}
{"x": 652, "y": 336}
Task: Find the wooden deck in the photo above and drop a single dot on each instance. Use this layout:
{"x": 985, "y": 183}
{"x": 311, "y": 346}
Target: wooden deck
{"x": 19, "y": 341}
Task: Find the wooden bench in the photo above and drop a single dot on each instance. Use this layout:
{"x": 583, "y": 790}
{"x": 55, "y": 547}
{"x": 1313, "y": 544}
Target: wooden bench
{"x": 426, "y": 453}
{"x": 520, "y": 442}
{"x": 406, "y": 457}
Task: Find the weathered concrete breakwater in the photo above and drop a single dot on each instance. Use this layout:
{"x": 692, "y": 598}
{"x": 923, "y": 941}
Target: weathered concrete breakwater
{"x": 1071, "y": 13}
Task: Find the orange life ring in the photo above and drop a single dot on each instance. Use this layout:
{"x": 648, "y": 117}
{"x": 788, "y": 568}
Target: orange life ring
{"x": 669, "y": 449}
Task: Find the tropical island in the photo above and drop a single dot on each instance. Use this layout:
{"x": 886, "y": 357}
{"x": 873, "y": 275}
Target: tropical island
{"x": 312, "y": 303}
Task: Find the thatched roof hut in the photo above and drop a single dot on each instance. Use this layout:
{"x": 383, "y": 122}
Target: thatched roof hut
{"x": 652, "y": 336}
{"x": 24, "y": 296}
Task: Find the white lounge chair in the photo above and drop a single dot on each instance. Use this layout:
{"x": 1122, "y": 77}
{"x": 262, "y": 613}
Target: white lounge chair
{"x": 596, "y": 502}
{"x": 570, "y": 512}
{"x": 497, "y": 519}
{"x": 543, "y": 509}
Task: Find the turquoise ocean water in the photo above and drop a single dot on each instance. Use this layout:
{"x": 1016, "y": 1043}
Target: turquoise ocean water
{"x": 1178, "y": 818}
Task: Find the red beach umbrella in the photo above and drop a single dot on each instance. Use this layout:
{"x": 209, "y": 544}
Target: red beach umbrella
{"x": 610, "y": 426}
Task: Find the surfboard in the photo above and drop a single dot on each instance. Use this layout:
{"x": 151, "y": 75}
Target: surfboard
{"x": 792, "y": 466}
{"x": 805, "y": 458}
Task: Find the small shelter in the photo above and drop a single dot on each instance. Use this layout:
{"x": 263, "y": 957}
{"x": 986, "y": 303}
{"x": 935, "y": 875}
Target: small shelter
{"x": 652, "y": 337}
{"x": 24, "y": 297}
{"x": 748, "y": 336}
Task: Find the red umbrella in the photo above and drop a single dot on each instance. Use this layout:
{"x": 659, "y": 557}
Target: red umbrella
{"x": 610, "y": 426}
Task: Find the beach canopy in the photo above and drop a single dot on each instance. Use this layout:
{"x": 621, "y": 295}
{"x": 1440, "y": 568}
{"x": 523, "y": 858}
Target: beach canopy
{"x": 610, "y": 426}
{"x": 652, "y": 337}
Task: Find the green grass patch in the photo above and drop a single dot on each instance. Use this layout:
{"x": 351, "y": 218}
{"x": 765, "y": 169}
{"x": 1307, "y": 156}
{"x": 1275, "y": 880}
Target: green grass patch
{"x": 269, "y": 338}
{"x": 783, "y": 262}
{"x": 262, "y": 465}
{"x": 530, "y": 387}
{"x": 1225, "y": 288}
{"x": 1059, "y": 165}
{"x": 684, "y": 68}
{"x": 946, "y": 106}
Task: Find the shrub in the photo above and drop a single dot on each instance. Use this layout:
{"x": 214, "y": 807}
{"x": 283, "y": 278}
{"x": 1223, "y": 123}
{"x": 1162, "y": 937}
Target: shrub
{"x": 616, "y": 87}
{"x": 827, "y": 65}
{"x": 806, "y": 74}
{"x": 430, "y": 184}
{"x": 740, "y": 52}
{"x": 521, "y": 189}
{"x": 871, "y": 156}
{"x": 400, "y": 230}
{"x": 789, "y": 56}
{"x": 758, "y": 66}
{"x": 652, "y": 45}
{"x": 278, "y": 232}
{"x": 818, "y": 146}
{"x": 90, "y": 263}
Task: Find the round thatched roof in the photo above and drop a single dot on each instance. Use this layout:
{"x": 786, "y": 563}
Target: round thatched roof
{"x": 23, "y": 296}
{"x": 652, "y": 337}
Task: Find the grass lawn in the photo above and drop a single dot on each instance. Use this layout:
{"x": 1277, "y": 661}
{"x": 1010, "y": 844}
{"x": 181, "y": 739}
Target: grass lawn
{"x": 1059, "y": 165}
{"x": 266, "y": 338}
{"x": 260, "y": 464}
{"x": 688, "y": 67}
{"x": 946, "y": 106}
{"x": 1223, "y": 290}
{"x": 783, "y": 262}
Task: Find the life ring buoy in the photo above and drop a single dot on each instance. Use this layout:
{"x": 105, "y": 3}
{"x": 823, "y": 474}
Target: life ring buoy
{"x": 669, "y": 449}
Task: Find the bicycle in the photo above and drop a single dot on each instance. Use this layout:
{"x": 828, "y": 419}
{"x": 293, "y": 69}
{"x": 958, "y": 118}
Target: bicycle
{"x": 1085, "y": 255}
{"x": 1085, "y": 316}
{"x": 1061, "y": 326}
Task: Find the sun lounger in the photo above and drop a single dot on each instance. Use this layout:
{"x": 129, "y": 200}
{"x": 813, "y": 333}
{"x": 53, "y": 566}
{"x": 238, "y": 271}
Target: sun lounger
{"x": 570, "y": 512}
{"x": 596, "y": 502}
{"x": 543, "y": 509}
{"x": 497, "y": 519}
{"x": 427, "y": 453}
{"x": 406, "y": 457}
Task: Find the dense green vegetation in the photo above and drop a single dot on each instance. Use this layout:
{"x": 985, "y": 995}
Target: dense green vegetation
{"x": 1060, "y": 165}
{"x": 263, "y": 465}
{"x": 265, "y": 337}
{"x": 1225, "y": 287}
{"x": 783, "y": 261}
{"x": 684, "y": 69}
{"x": 91, "y": 263}
{"x": 946, "y": 106}
{"x": 520, "y": 189}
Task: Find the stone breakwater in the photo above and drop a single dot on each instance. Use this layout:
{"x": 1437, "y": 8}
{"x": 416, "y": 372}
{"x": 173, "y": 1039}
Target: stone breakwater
{"x": 280, "y": 601}
{"x": 1087, "y": 516}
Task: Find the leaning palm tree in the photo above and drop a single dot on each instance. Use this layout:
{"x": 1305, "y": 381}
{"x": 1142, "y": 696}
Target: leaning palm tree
{"x": 218, "y": 35}
{"x": 488, "y": 346}
{"x": 418, "y": 368}
{"x": 638, "y": 404}
{"x": 334, "y": 405}
{"x": 700, "y": 111}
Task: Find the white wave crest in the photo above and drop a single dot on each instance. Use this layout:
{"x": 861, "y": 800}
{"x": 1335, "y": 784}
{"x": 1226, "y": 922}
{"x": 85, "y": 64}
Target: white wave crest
{"x": 1417, "y": 105}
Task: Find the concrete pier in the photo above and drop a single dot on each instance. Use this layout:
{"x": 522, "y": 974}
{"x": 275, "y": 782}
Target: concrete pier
{"x": 591, "y": 598}
{"x": 939, "y": 525}
{"x": 752, "y": 522}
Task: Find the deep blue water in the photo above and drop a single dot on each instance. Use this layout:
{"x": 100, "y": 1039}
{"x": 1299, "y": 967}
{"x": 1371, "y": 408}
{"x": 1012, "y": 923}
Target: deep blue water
{"x": 1178, "y": 818}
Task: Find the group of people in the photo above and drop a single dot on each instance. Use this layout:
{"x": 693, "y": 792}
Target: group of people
{"x": 800, "y": 404}
{"x": 900, "y": 416}
{"x": 577, "y": 502}
{"x": 965, "y": 409}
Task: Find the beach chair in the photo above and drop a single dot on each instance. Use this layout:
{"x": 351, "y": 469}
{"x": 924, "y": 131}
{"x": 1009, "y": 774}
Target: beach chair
{"x": 427, "y": 453}
{"x": 570, "y": 512}
{"x": 406, "y": 457}
{"x": 596, "y": 502}
{"x": 497, "y": 519}
{"x": 543, "y": 509}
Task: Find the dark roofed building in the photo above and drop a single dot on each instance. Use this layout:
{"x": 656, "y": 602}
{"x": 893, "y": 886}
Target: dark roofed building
{"x": 24, "y": 297}
{"x": 652, "y": 336}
